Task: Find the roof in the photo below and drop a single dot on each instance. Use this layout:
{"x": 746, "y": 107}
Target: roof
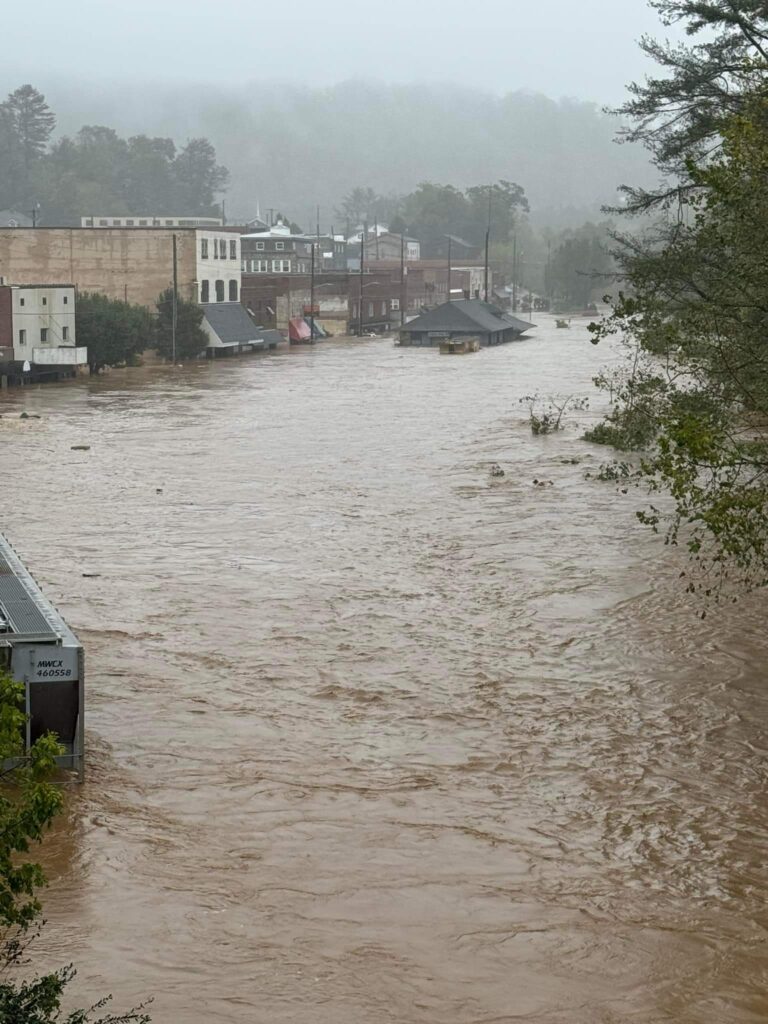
{"x": 230, "y": 322}
{"x": 14, "y": 219}
{"x": 271, "y": 336}
{"x": 26, "y": 286}
{"x": 462, "y": 241}
{"x": 467, "y": 315}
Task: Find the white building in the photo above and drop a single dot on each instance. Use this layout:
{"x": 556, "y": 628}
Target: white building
{"x": 37, "y": 325}
{"x": 218, "y": 269}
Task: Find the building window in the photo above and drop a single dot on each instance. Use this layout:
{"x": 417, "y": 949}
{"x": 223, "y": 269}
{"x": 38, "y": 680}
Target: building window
{"x": 286, "y": 266}
{"x": 259, "y": 245}
{"x": 205, "y": 291}
{"x": 220, "y": 291}
{"x": 45, "y": 301}
{"x": 215, "y": 248}
{"x": 64, "y": 333}
{"x": 66, "y": 300}
{"x": 233, "y": 291}
{"x": 142, "y": 223}
{"x": 223, "y": 249}
{"x": 203, "y": 248}
{"x": 43, "y": 335}
{"x": 263, "y": 266}
{"x": 279, "y": 246}
{"x": 384, "y": 308}
{"x": 395, "y": 303}
{"x": 277, "y": 266}
{"x": 129, "y": 223}
{"x": 169, "y": 223}
{"x": 233, "y": 248}
{"x": 102, "y": 223}
{"x": 370, "y": 309}
{"x": 21, "y": 302}
{"x": 22, "y": 337}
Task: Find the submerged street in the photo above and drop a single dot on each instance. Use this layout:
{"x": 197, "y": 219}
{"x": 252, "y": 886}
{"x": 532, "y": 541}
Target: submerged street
{"x": 372, "y": 735}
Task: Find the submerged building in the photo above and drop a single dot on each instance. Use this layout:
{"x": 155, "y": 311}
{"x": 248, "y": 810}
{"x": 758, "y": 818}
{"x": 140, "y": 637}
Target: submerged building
{"x": 463, "y": 319}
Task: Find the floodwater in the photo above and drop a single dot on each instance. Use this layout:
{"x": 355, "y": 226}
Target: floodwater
{"x": 377, "y": 737}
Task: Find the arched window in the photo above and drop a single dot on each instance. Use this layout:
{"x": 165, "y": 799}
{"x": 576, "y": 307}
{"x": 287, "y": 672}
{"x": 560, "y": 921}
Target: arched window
{"x": 233, "y": 291}
{"x": 219, "y": 291}
{"x": 205, "y": 291}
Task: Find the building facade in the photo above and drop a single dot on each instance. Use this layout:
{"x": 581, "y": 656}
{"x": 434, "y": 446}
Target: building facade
{"x": 388, "y": 246}
{"x": 38, "y": 326}
{"x": 218, "y": 265}
{"x": 130, "y": 264}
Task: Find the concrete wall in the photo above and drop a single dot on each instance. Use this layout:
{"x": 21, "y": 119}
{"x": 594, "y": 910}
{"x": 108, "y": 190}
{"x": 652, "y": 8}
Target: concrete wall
{"x": 123, "y": 263}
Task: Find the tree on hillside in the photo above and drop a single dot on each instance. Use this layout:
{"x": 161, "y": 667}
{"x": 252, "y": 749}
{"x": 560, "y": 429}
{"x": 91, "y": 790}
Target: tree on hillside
{"x": 694, "y": 393}
{"x": 28, "y": 805}
{"x": 114, "y": 332}
{"x": 32, "y": 120}
{"x": 363, "y": 205}
{"x": 198, "y": 179}
{"x": 191, "y": 340}
{"x": 580, "y": 264}
{"x": 504, "y": 201}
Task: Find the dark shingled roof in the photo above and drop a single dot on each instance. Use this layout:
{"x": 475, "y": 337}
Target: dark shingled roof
{"x": 467, "y": 315}
{"x": 231, "y": 322}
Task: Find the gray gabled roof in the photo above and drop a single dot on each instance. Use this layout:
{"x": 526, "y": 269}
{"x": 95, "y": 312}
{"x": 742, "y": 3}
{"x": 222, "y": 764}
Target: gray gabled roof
{"x": 467, "y": 315}
{"x": 230, "y": 322}
{"x": 14, "y": 219}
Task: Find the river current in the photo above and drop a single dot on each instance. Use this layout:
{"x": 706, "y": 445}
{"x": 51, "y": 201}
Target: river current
{"x": 376, "y": 737}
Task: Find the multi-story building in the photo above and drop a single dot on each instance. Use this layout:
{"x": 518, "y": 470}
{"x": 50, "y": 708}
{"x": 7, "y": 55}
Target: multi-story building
{"x": 278, "y": 250}
{"x": 38, "y": 326}
{"x": 388, "y": 246}
{"x": 133, "y": 264}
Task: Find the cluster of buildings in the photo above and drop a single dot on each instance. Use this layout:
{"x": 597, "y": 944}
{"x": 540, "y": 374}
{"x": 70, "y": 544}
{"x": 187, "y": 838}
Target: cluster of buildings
{"x": 257, "y": 284}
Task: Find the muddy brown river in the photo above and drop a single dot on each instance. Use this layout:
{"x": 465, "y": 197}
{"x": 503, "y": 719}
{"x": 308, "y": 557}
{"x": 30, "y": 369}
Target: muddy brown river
{"x": 374, "y": 736}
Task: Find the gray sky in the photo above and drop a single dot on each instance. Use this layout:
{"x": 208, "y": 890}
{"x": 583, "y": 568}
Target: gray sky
{"x": 585, "y": 49}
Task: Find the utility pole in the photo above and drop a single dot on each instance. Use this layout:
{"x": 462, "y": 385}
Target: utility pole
{"x": 362, "y": 268}
{"x": 175, "y": 303}
{"x": 403, "y": 297}
{"x": 448, "y": 292}
{"x": 487, "y": 243}
{"x": 312, "y": 297}
{"x": 514, "y": 272}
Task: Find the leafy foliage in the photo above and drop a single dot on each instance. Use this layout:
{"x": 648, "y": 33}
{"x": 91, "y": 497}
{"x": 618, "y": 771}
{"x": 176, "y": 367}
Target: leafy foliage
{"x": 697, "y": 307}
{"x": 545, "y": 415}
{"x": 433, "y": 211}
{"x": 191, "y": 340}
{"x": 29, "y": 802}
{"x": 678, "y": 115}
{"x": 579, "y": 264}
{"x": 115, "y": 332}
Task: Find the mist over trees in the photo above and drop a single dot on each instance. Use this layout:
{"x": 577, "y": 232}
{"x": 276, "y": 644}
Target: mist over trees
{"x": 95, "y": 171}
{"x": 293, "y": 147}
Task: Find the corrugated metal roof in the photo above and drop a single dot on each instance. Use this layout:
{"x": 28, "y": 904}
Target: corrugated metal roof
{"x": 18, "y": 605}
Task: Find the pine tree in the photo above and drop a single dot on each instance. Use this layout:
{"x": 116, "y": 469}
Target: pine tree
{"x": 32, "y": 122}
{"x": 677, "y": 114}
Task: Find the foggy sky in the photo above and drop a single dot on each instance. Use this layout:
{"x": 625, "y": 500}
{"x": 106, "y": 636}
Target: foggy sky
{"x": 586, "y": 49}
